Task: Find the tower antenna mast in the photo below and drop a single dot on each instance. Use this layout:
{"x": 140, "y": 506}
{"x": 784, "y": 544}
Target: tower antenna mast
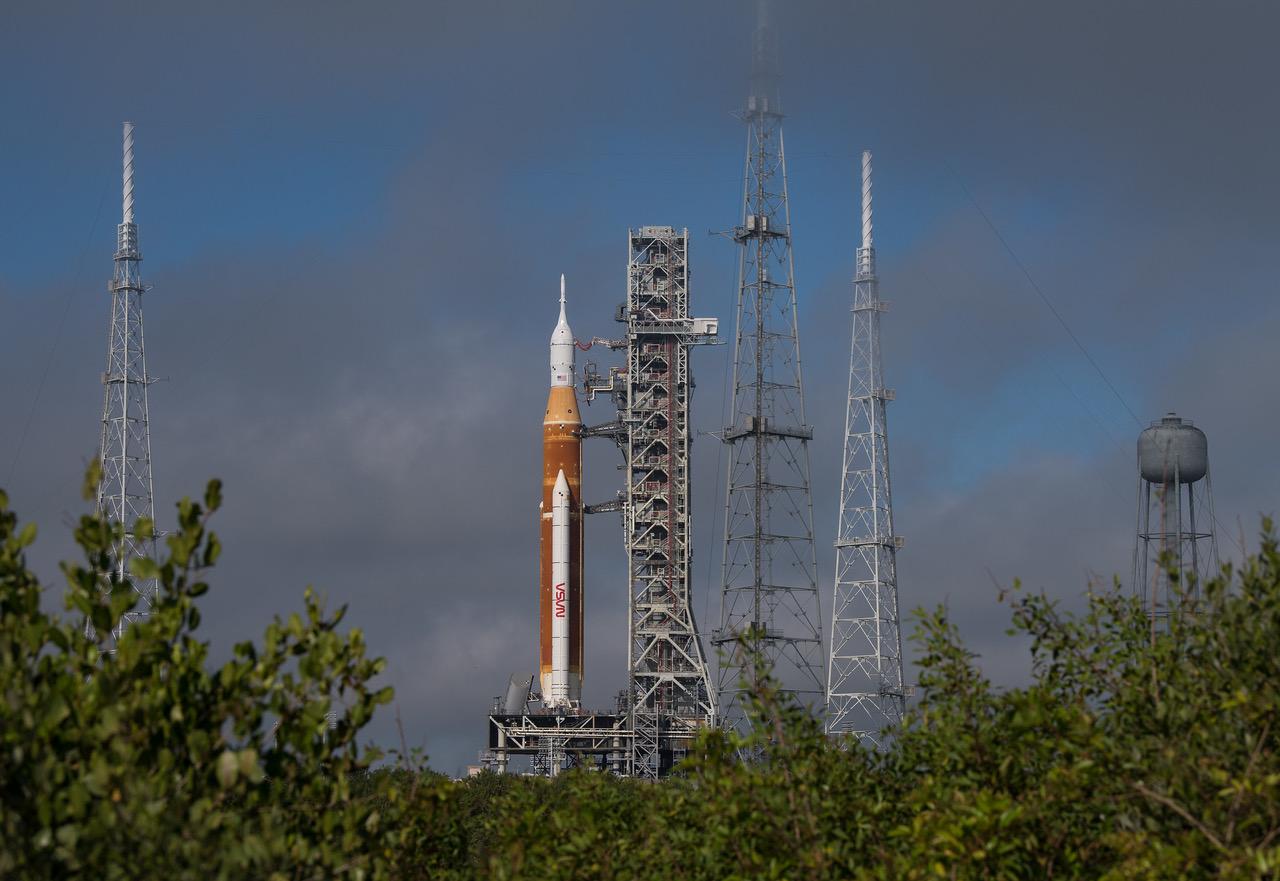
{"x": 125, "y": 493}
{"x": 864, "y": 673}
{"x": 769, "y": 600}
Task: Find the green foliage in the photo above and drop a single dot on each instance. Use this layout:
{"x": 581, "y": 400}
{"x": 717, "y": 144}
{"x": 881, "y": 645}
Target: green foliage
{"x": 146, "y": 762}
{"x": 1132, "y": 753}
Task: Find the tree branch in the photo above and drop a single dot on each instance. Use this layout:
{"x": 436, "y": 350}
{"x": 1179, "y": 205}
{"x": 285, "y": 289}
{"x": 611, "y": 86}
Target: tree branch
{"x": 1183, "y": 813}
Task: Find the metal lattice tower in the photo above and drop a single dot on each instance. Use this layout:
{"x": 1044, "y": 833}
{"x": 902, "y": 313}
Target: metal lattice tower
{"x": 864, "y": 673}
{"x": 769, "y": 583}
{"x": 125, "y": 494}
{"x": 669, "y": 696}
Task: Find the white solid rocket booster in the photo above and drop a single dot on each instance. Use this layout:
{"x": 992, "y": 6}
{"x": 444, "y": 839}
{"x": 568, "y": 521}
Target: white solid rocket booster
{"x": 560, "y": 592}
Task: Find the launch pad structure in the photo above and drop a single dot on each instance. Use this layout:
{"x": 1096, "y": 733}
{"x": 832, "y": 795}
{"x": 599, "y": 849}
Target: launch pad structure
{"x": 669, "y": 696}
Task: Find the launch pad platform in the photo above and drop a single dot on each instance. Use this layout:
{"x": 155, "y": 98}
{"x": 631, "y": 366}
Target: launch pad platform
{"x": 554, "y": 740}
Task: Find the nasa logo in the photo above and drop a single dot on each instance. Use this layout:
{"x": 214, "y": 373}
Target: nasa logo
{"x": 560, "y": 611}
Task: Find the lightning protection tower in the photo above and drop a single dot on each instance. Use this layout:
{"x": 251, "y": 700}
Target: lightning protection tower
{"x": 864, "y": 671}
{"x": 769, "y": 585}
{"x": 125, "y": 494}
{"x": 1176, "y": 541}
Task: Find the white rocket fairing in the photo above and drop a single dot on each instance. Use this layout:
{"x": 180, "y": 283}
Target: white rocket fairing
{"x": 560, "y": 608}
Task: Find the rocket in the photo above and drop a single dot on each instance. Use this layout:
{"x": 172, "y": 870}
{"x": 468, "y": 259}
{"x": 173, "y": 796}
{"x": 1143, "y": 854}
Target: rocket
{"x": 560, "y": 529}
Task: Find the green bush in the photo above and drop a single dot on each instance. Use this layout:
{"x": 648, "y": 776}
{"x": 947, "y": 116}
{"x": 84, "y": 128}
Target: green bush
{"x": 1126, "y": 757}
{"x": 146, "y": 762}
{"x": 1130, "y": 754}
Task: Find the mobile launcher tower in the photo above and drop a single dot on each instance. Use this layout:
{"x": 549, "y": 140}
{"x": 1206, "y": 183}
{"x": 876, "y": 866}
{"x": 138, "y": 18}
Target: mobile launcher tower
{"x": 669, "y": 695}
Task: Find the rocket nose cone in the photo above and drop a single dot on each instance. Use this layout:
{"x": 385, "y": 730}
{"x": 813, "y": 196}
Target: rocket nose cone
{"x": 562, "y": 484}
{"x": 562, "y": 347}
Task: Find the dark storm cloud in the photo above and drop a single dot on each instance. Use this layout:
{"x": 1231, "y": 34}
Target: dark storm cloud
{"x": 354, "y": 221}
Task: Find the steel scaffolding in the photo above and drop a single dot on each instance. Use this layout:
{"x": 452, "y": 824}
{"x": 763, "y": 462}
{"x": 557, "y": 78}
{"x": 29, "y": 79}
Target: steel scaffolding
{"x": 669, "y": 695}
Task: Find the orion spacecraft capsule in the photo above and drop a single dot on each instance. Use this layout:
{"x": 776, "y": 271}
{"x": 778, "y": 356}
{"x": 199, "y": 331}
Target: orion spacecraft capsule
{"x": 560, "y": 522}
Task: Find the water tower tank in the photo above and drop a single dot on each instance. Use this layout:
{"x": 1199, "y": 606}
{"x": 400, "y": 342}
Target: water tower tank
{"x": 1172, "y": 447}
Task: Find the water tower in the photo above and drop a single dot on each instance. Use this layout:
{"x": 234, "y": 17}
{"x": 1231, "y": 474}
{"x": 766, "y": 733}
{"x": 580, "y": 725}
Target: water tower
{"x": 1175, "y": 514}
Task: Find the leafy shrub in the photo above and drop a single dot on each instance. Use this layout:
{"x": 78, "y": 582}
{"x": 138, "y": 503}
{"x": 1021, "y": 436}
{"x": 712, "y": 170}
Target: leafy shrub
{"x": 1132, "y": 754}
{"x": 145, "y": 762}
